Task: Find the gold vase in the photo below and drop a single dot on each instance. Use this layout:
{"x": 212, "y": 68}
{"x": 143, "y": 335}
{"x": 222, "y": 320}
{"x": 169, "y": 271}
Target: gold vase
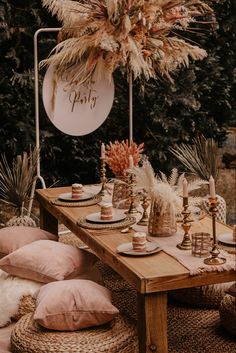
{"x": 162, "y": 220}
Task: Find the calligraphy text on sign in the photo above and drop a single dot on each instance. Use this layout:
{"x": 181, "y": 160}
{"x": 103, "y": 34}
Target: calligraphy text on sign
{"x": 83, "y": 97}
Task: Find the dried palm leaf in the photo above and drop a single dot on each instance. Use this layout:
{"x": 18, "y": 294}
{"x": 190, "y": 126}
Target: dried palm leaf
{"x": 16, "y": 179}
{"x": 201, "y": 158}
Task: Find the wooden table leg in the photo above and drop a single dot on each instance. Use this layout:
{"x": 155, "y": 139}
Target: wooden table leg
{"x": 152, "y": 322}
{"x": 48, "y": 221}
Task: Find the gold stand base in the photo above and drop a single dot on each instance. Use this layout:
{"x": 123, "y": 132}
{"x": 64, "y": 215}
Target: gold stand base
{"x": 185, "y": 245}
{"x": 143, "y": 222}
{"x": 133, "y": 211}
{"x": 102, "y": 192}
{"x": 214, "y": 261}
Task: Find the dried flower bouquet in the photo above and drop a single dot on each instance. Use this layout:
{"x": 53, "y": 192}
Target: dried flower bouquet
{"x": 166, "y": 190}
{"x": 145, "y": 36}
{"x": 118, "y": 153}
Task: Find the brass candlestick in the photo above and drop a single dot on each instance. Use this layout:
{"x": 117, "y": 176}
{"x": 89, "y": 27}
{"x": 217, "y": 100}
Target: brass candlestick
{"x": 214, "y": 259}
{"x": 132, "y": 209}
{"x": 186, "y": 243}
{"x": 145, "y": 203}
{"x": 103, "y": 178}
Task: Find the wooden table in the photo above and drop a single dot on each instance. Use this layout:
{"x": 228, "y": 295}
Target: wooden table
{"x": 152, "y": 276}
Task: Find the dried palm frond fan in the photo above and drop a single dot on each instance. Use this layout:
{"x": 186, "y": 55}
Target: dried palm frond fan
{"x": 202, "y": 159}
{"x": 15, "y": 185}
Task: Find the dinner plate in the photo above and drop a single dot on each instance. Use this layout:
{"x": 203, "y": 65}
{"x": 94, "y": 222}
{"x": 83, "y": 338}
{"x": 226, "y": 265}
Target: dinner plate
{"x": 127, "y": 249}
{"x": 226, "y": 238}
{"x": 68, "y": 197}
{"x": 96, "y": 217}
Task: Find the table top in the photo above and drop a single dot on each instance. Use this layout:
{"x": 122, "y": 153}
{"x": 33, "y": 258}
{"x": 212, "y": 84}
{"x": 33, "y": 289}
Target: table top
{"x": 153, "y": 273}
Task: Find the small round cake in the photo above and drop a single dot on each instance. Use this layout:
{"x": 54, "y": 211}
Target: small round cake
{"x": 139, "y": 241}
{"x": 106, "y": 211}
{"x": 234, "y": 233}
{"x": 77, "y": 191}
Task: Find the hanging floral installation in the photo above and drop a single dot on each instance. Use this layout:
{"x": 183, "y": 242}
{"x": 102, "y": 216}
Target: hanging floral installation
{"x": 147, "y": 37}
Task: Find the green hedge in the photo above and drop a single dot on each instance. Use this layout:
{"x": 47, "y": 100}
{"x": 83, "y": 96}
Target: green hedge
{"x": 202, "y": 100}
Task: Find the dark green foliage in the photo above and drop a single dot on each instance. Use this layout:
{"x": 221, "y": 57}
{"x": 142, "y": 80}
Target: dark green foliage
{"x": 201, "y": 101}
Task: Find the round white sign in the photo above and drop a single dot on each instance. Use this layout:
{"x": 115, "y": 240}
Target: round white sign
{"x": 79, "y": 110}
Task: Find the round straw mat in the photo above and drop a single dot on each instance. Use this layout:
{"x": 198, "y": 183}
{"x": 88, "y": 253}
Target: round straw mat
{"x": 129, "y": 220}
{"x": 117, "y": 337}
{"x": 228, "y": 313}
{"x": 208, "y": 296}
{"x": 89, "y": 202}
{"x": 26, "y": 305}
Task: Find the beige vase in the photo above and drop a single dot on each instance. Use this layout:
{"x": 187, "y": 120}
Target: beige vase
{"x": 221, "y": 208}
{"x": 162, "y": 221}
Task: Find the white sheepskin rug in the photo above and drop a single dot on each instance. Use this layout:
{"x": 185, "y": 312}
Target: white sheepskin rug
{"x": 11, "y": 290}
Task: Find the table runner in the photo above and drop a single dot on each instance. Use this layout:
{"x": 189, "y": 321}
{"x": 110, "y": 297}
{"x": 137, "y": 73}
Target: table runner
{"x": 195, "y": 265}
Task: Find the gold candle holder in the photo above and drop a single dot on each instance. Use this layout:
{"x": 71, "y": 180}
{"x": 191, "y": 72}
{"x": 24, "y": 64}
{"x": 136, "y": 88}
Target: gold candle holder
{"x": 186, "y": 243}
{"x": 103, "y": 178}
{"x": 145, "y": 203}
{"x": 132, "y": 208}
{"x": 214, "y": 259}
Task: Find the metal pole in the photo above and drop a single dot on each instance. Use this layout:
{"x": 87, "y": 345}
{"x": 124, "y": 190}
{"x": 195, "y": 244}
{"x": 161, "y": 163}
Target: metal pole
{"x": 36, "y": 92}
{"x": 36, "y": 99}
{"x": 130, "y": 107}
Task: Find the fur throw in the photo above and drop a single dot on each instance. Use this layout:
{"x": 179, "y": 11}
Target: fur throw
{"x": 11, "y": 290}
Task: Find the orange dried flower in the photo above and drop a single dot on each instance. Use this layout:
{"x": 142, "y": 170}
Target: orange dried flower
{"x": 117, "y": 156}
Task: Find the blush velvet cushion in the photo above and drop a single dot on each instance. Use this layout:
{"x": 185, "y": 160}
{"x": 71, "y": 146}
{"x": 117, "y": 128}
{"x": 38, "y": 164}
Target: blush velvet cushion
{"x": 73, "y": 304}
{"x": 46, "y": 261}
{"x": 12, "y": 238}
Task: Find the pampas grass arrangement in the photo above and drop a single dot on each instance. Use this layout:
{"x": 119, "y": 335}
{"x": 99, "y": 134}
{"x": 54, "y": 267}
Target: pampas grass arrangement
{"x": 145, "y": 36}
{"x": 166, "y": 190}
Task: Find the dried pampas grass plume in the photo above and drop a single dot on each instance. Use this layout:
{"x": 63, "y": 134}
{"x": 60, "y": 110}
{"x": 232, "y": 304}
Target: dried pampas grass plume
{"x": 145, "y": 36}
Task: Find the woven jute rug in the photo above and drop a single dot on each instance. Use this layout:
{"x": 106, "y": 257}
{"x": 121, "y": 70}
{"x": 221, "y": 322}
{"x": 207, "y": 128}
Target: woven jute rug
{"x": 197, "y": 331}
{"x": 190, "y": 330}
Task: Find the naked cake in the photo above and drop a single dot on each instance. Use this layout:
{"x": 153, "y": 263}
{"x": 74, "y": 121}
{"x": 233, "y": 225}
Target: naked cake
{"x": 139, "y": 241}
{"x": 106, "y": 211}
{"x": 77, "y": 191}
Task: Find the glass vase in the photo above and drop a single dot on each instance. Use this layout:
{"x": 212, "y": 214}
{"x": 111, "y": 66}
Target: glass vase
{"x": 162, "y": 220}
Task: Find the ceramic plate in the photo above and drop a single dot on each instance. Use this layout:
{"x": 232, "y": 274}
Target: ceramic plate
{"x": 68, "y": 197}
{"x": 226, "y": 238}
{"x": 127, "y": 249}
{"x": 96, "y": 217}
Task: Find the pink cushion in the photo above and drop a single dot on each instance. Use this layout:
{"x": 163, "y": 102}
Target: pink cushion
{"x": 232, "y": 290}
{"x": 12, "y": 238}
{"x": 74, "y": 304}
{"x": 46, "y": 261}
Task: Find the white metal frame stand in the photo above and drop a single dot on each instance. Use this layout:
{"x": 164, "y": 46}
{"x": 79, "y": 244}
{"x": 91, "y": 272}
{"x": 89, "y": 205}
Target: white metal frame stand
{"x": 36, "y": 90}
{"x": 36, "y": 97}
